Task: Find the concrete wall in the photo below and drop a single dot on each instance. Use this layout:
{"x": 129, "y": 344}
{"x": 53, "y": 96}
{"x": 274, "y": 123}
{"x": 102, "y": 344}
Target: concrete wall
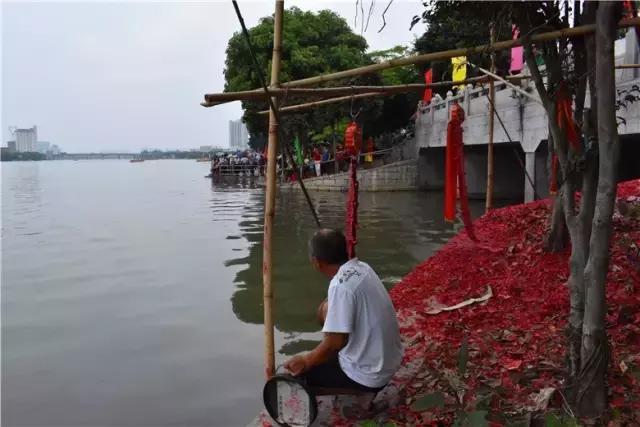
{"x": 508, "y": 175}
{"x": 393, "y": 177}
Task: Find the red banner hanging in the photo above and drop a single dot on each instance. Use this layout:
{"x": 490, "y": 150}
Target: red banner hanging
{"x": 454, "y": 172}
{"x": 351, "y": 220}
{"x": 428, "y": 92}
{"x": 564, "y": 116}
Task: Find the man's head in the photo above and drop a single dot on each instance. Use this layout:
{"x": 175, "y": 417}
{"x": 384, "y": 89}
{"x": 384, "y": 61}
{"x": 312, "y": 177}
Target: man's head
{"x": 328, "y": 251}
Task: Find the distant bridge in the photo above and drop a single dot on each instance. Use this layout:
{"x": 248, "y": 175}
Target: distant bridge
{"x": 92, "y": 156}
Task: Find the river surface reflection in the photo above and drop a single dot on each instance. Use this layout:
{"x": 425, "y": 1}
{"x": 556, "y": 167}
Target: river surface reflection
{"x": 131, "y": 293}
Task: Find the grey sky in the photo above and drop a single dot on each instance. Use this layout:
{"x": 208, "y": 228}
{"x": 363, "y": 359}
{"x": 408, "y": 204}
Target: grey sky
{"x": 130, "y": 75}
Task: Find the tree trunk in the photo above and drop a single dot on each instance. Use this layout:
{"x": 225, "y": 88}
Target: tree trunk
{"x": 585, "y": 61}
{"x": 558, "y": 236}
{"x": 592, "y": 392}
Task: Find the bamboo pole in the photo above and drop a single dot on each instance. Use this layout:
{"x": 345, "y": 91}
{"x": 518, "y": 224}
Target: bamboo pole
{"x": 306, "y": 106}
{"x": 448, "y": 54}
{"x": 422, "y": 86}
{"x": 511, "y": 85}
{"x": 623, "y": 66}
{"x": 492, "y": 94}
{"x": 270, "y": 200}
{"x": 214, "y": 99}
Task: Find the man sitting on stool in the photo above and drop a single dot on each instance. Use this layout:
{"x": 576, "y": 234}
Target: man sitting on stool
{"x": 361, "y": 349}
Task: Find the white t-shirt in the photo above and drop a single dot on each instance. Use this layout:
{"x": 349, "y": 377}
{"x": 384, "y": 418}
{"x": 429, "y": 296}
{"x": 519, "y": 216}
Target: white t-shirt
{"x": 360, "y": 306}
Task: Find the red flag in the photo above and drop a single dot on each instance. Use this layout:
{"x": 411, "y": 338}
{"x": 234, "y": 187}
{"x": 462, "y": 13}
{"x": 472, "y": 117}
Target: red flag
{"x": 428, "y": 92}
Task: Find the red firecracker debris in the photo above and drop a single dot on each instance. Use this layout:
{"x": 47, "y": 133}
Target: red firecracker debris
{"x": 516, "y": 339}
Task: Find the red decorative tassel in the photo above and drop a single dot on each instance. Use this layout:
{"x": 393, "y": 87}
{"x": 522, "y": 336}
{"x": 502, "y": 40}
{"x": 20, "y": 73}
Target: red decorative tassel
{"x": 351, "y": 220}
{"x": 428, "y": 92}
{"x": 454, "y": 171}
{"x": 564, "y": 117}
{"x": 553, "y": 185}
{"x": 450, "y": 175}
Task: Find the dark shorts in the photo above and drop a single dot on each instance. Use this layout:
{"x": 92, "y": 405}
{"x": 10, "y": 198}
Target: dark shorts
{"x": 331, "y": 375}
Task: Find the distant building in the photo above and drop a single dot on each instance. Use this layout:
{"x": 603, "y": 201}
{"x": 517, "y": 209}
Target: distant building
{"x": 205, "y": 148}
{"x": 238, "y": 135}
{"x": 26, "y": 139}
{"x": 42, "y": 147}
{"x": 11, "y": 146}
{"x": 55, "y": 150}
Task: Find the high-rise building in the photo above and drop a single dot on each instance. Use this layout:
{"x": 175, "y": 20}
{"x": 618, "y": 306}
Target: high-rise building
{"x": 11, "y": 146}
{"x": 238, "y": 135}
{"x": 42, "y": 147}
{"x": 26, "y": 139}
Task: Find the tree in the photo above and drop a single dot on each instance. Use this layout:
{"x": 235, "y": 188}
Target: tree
{"x": 587, "y": 164}
{"x": 452, "y": 27}
{"x": 396, "y": 109}
{"x": 313, "y": 44}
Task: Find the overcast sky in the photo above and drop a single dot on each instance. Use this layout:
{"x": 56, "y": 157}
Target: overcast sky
{"x": 130, "y": 75}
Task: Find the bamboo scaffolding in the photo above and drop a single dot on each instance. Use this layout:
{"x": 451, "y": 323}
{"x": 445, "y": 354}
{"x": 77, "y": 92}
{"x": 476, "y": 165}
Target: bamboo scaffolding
{"x": 270, "y": 201}
{"x": 259, "y": 95}
{"x": 448, "y": 54}
{"x": 623, "y": 66}
{"x": 492, "y": 96}
{"x": 374, "y": 91}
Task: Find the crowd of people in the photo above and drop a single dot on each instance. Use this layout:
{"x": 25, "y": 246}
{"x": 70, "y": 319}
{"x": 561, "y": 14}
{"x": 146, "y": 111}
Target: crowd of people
{"x": 316, "y": 160}
{"x": 247, "y": 162}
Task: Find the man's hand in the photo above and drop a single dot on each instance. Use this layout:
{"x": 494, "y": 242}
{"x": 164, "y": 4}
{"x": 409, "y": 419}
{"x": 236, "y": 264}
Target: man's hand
{"x": 297, "y": 365}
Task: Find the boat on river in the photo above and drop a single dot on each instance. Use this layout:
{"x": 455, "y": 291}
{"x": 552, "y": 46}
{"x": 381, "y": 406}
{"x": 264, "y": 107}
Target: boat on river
{"x": 136, "y": 160}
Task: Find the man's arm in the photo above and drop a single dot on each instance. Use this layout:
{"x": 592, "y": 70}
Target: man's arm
{"x": 331, "y": 344}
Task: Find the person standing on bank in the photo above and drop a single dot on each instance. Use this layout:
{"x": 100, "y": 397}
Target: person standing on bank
{"x": 361, "y": 349}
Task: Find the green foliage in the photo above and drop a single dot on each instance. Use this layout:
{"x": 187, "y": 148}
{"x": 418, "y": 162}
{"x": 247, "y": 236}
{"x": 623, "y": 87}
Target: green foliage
{"x": 313, "y": 44}
{"x": 552, "y": 420}
{"x": 326, "y": 134}
{"x": 471, "y": 419}
{"x": 459, "y": 24}
{"x": 398, "y": 75}
{"x": 9, "y": 156}
{"x": 429, "y": 401}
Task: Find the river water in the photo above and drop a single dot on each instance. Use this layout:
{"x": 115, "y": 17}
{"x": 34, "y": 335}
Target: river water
{"x": 131, "y": 292}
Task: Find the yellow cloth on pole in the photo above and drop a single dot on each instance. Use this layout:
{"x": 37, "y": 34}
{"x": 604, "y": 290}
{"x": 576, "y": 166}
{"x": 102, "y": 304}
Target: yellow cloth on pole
{"x": 459, "y": 69}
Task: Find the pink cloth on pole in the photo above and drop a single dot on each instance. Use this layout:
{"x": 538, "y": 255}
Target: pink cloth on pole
{"x": 517, "y": 62}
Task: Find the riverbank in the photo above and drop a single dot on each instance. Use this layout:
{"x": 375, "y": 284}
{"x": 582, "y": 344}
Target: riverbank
{"x": 516, "y": 338}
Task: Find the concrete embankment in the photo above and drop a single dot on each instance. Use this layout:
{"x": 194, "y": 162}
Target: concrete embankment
{"x": 398, "y": 176}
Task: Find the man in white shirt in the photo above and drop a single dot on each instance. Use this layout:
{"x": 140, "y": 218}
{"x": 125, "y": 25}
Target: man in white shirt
{"x": 361, "y": 348}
